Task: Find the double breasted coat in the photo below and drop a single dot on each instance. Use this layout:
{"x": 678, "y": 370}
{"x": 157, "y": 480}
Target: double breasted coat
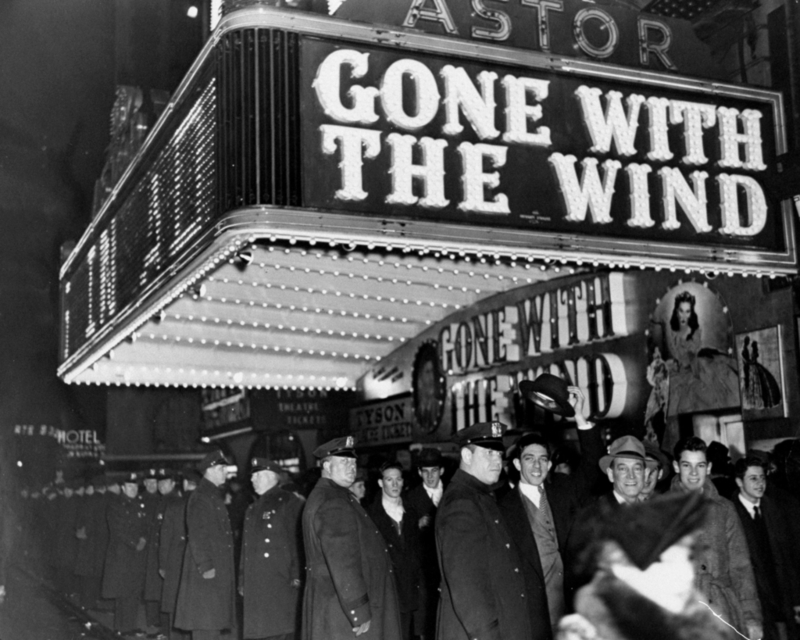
{"x": 153, "y": 583}
{"x": 271, "y": 564}
{"x": 171, "y": 548}
{"x": 349, "y": 577}
{"x": 207, "y": 603}
{"x": 483, "y": 588}
{"x": 123, "y": 575}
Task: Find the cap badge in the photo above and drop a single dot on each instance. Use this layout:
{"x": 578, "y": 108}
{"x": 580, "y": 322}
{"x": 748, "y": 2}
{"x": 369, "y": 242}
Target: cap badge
{"x": 497, "y": 430}
{"x": 349, "y": 443}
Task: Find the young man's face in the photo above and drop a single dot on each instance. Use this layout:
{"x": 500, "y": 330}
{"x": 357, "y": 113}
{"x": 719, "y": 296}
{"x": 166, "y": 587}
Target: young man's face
{"x": 692, "y": 467}
{"x": 753, "y": 484}
{"x": 391, "y": 483}
{"x": 359, "y": 489}
{"x": 151, "y": 485}
{"x": 651, "y": 478}
{"x": 533, "y": 464}
{"x": 430, "y": 476}
{"x": 627, "y": 476}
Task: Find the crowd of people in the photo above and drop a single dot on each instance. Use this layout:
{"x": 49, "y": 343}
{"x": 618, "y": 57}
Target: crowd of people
{"x": 624, "y": 541}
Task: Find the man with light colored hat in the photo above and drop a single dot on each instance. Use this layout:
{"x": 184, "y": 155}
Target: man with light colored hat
{"x": 350, "y": 590}
{"x": 625, "y": 465}
{"x": 483, "y": 590}
{"x": 207, "y": 593}
{"x": 271, "y": 564}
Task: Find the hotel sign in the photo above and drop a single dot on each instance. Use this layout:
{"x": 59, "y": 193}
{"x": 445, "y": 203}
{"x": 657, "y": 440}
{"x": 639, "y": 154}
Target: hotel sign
{"x": 437, "y": 138}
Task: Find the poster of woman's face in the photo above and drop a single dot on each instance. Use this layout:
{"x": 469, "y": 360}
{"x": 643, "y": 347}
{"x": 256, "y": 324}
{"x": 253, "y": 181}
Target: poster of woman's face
{"x": 686, "y": 307}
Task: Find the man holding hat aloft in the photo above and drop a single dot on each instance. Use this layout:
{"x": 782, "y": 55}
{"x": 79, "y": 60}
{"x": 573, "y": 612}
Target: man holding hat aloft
{"x": 271, "y": 564}
{"x": 206, "y": 596}
{"x": 483, "y": 590}
{"x": 541, "y": 510}
{"x": 350, "y": 590}
{"x": 123, "y": 577}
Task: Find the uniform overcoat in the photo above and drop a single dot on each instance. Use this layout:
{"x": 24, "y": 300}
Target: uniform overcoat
{"x": 92, "y": 550}
{"x": 123, "y": 575}
{"x": 270, "y": 562}
{"x": 483, "y": 590}
{"x": 153, "y": 583}
{"x": 348, "y": 570}
{"x": 171, "y": 548}
{"x": 207, "y": 603}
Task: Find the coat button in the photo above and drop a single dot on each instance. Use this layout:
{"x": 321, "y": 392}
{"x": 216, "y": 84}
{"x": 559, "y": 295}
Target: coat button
{"x": 266, "y": 539}
{"x": 508, "y": 545}
{"x": 516, "y": 570}
{"x": 266, "y": 555}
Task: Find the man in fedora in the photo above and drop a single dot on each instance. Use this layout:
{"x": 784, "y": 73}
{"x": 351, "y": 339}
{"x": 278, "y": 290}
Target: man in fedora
{"x": 206, "y": 596}
{"x": 271, "y": 563}
{"x": 483, "y": 589}
{"x": 541, "y": 510}
{"x": 425, "y": 499}
{"x": 625, "y": 466}
{"x": 350, "y": 590}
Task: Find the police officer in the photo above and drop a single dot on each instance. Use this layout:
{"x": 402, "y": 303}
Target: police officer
{"x": 270, "y": 567}
{"x": 206, "y": 596}
{"x": 171, "y": 548}
{"x": 123, "y": 576}
{"x": 350, "y": 588}
{"x": 483, "y": 589}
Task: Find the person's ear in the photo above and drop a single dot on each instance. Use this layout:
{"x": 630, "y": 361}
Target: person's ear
{"x": 610, "y": 474}
{"x": 517, "y": 464}
{"x": 676, "y": 466}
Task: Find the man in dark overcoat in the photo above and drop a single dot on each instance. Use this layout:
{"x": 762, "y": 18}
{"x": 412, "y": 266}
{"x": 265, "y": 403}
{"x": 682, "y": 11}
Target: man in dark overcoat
{"x": 123, "y": 575}
{"x": 171, "y": 550}
{"x": 271, "y": 565}
{"x": 154, "y": 507}
{"x": 207, "y": 593}
{"x": 92, "y": 542}
{"x": 773, "y": 550}
{"x": 541, "y": 510}
{"x": 424, "y": 500}
{"x": 483, "y": 588}
{"x": 350, "y": 588}
{"x": 399, "y": 525}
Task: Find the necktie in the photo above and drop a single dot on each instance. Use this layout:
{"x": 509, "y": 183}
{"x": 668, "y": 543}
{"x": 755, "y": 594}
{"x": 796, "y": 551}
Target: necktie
{"x": 757, "y": 512}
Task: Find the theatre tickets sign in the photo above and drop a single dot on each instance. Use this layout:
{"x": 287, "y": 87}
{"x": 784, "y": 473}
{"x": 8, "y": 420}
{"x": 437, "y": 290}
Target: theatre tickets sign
{"x": 591, "y": 158}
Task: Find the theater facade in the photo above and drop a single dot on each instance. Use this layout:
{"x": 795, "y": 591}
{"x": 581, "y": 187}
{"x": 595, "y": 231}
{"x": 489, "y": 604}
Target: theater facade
{"x": 424, "y": 203}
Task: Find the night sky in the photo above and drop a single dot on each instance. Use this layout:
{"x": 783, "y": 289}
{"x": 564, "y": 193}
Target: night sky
{"x": 57, "y": 79}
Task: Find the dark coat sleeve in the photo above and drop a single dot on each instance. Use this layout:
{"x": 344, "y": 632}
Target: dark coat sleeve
{"x": 335, "y": 524}
{"x": 119, "y": 525}
{"x": 200, "y": 519}
{"x": 294, "y": 524}
{"x": 465, "y": 573}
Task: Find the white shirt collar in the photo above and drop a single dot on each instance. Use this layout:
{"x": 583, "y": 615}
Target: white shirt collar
{"x": 531, "y": 492}
{"x": 393, "y": 509}
{"x": 434, "y": 494}
{"x": 750, "y": 506}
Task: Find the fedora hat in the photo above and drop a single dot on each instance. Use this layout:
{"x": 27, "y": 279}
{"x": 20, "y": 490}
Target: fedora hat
{"x": 626, "y": 447}
{"x": 550, "y": 393}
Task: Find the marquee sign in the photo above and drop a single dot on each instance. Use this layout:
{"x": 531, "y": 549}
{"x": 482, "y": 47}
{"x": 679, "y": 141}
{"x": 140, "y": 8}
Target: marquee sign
{"x": 437, "y": 138}
{"x": 392, "y": 139}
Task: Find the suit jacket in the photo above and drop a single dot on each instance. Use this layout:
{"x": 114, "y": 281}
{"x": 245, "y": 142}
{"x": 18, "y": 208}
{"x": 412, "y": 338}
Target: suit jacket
{"x": 348, "y": 570}
{"x": 404, "y": 550}
{"x": 785, "y": 558}
{"x": 271, "y": 560}
{"x": 207, "y": 603}
{"x": 566, "y": 495}
{"x": 483, "y": 588}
